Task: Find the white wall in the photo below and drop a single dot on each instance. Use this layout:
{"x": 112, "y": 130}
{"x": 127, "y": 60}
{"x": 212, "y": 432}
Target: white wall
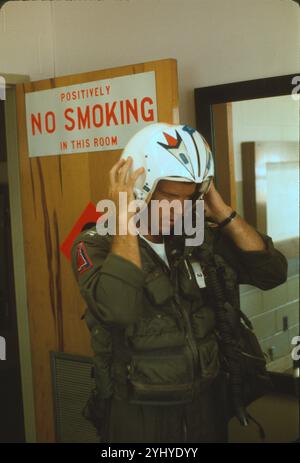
{"x": 263, "y": 119}
{"x": 214, "y": 41}
{"x": 283, "y": 200}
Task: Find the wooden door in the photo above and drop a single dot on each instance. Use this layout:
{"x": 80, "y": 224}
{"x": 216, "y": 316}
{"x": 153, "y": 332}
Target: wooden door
{"x": 55, "y": 190}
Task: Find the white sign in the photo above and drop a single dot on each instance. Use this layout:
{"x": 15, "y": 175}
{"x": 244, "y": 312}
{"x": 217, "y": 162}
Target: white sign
{"x": 94, "y": 116}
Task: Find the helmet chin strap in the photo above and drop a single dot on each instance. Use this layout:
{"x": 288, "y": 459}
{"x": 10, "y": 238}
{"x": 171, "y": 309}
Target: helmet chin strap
{"x": 196, "y": 194}
{"x": 137, "y": 193}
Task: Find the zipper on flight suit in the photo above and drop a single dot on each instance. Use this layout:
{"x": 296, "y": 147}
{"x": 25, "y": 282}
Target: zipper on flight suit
{"x": 188, "y": 270}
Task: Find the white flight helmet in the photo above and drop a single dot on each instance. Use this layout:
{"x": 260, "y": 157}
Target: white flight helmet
{"x": 170, "y": 152}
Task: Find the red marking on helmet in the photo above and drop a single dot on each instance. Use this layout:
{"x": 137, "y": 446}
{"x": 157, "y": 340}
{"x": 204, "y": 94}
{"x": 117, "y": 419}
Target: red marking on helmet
{"x": 171, "y": 140}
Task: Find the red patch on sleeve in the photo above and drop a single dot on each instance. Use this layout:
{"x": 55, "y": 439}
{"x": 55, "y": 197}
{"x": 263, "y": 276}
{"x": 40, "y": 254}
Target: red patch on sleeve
{"x": 83, "y": 261}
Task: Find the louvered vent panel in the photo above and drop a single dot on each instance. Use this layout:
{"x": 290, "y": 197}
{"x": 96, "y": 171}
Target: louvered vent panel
{"x": 72, "y": 383}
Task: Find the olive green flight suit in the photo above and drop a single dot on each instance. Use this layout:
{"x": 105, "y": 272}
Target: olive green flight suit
{"x": 157, "y": 366}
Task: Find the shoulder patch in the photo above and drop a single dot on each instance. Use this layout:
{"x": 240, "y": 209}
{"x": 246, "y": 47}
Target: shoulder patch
{"x": 83, "y": 262}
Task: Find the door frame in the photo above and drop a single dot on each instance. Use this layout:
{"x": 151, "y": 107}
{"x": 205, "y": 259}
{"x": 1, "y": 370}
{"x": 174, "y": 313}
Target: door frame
{"x": 11, "y": 128}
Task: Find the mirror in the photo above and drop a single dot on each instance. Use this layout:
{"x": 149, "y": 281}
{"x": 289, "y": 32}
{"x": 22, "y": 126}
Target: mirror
{"x": 253, "y": 129}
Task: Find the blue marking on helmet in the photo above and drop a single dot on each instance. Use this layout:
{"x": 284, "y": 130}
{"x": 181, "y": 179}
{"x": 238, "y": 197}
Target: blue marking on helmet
{"x": 189, "y": 129}
{"x": 184, "y": 158}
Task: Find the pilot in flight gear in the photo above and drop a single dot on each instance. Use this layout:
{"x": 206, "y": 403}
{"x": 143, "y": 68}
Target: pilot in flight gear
{"x": 157, "y": 364}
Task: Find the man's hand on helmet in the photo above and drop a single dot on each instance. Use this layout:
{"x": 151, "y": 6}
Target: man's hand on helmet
{"x": 121, "y": 181}
{"x": 214, "y": 206}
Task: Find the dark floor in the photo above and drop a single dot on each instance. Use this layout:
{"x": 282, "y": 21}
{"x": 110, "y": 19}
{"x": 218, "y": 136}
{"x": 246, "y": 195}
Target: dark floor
{"x": 279, "y": 416}
{"x": 11, "y": 412}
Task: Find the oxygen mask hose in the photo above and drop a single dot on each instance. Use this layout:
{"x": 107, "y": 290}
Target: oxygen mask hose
{"x": 226, "y": 333}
